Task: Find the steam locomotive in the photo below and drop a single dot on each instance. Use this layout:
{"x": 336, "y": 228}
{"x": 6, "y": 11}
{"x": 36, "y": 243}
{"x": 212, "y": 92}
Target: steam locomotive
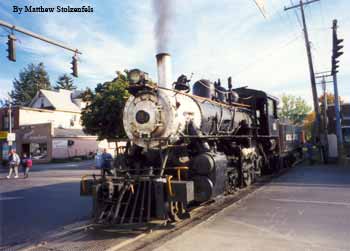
{"x": 186, "y": 149}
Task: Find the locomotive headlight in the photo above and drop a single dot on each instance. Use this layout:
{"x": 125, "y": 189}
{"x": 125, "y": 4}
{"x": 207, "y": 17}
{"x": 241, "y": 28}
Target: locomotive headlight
{"x": 135, "y": 76}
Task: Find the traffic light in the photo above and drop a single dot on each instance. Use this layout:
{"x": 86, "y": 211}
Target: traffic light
{"x": 337, "y": 46}
{"x": 75, "y": 66}
{"x": 11, "y": 48}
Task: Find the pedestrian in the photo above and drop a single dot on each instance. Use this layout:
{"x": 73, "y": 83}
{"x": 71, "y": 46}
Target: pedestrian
{"x": 309, "y": 148}
{"x": 14, "y": 162}
{"x": 27, "y": 164}
{"x": 106, "y": 163}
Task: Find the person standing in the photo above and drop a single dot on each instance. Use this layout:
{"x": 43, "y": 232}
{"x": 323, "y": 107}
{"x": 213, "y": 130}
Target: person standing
{"x": 27, "y": 164}
{"x": 106, "y": 163}
{"x": 14, "y": 161}
{"x": 309, "y": 150}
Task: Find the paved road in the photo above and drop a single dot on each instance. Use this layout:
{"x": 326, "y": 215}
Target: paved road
{"x": 45, "y": 202}
{"x": 306, "y": 209}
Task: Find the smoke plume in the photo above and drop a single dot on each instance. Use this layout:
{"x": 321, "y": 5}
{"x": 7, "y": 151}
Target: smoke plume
{"x": 164, "y": 12}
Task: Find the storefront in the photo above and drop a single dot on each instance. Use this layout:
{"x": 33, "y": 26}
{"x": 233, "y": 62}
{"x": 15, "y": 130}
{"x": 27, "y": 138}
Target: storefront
{"x": 35, "y": 140}
{"x": 44, "y": 143}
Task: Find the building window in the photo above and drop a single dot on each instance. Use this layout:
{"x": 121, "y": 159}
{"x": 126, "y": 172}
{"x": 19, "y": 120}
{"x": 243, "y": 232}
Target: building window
{"x": 5, "y": 122}
{"x": 38, "y": 150}
{"x": 346, "y": 135}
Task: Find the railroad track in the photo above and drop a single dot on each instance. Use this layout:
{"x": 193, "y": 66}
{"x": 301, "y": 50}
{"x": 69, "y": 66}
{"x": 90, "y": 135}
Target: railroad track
{"x": 85, "y": 236}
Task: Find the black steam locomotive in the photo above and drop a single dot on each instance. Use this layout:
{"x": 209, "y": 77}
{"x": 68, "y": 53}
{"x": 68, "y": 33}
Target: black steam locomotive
{"x": 186, "y": 149}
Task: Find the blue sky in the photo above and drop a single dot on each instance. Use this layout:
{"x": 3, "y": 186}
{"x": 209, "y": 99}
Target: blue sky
{"x": 212, "y": 39}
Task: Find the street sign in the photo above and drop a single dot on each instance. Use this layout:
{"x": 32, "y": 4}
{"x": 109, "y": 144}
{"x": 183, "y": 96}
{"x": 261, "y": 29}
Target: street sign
{"x": 11, "y": 137}
{"x": 3, "y": 134}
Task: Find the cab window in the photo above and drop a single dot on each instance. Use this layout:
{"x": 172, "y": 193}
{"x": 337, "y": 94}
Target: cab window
{"x": 271, "y": 108}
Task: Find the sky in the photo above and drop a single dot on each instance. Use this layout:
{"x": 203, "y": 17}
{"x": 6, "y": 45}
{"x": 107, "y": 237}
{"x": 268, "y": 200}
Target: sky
{"x": 211, "y": 39}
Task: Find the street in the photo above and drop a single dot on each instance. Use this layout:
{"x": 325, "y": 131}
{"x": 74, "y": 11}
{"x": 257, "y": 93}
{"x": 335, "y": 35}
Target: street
{"x": 305, "y": 209}
{"x": 45, "y": 202}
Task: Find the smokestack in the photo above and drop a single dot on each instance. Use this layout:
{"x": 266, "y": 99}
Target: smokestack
{"x": 164, "y": 70}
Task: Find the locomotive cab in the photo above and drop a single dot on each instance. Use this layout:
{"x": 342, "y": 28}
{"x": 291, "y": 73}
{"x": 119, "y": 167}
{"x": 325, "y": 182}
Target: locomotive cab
{"x": 265, "y": 107}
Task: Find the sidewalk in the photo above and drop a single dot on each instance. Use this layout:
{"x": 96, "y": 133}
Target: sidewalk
{"x": 81, "y": 165}
{"x": 305, "y": 209}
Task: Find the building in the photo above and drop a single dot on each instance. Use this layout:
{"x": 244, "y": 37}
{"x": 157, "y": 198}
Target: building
{"x": 49, "y": 128}
{"x": 345, "y": 124}
{"x": 345, "y": 121}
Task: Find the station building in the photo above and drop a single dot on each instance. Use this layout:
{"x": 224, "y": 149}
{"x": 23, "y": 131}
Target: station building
{"x": 345, "y": 121}
{"x": 345, "y": 124}
{"x": 49, "y": 128}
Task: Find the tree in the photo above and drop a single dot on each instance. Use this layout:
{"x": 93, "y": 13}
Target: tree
{"x": 308, "y": 124}
{"x": 294, "y": 108}
{"x": 31, "y": 80}
{"x": 65, "y": 82}
{"x": 103, "y": 115}
{"x": 330, "y": 99}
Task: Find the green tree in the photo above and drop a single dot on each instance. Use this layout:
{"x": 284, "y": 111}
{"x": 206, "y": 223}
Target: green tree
{"x": 103, "y": 115}
{"x": 65, "y": 82}
{"x": 294, "y": 108}
{"x": 31, "y": 79}
{"x": 308, "y": 124}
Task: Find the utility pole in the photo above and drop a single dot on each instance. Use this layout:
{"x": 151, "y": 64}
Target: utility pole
{"x": 337, "y": 53}
{"x": 324, "y": 135}
{"x": 10, "y": 122}
{"x": 311, "y": 67}
{"x": 325, "y": 121}
{"x": 325, "y": 105}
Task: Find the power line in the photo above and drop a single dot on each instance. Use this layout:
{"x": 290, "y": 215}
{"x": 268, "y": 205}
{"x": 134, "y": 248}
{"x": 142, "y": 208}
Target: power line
{"x": 322, "y": 14}
{"x": 296, "y": 14}
{"x": 261, "y": 58}
{"x": 310, "y": 61}
{"x": 281, "y": 17}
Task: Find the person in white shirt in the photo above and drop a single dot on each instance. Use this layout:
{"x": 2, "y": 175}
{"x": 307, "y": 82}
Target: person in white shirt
{"x": 14, "y": 161}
